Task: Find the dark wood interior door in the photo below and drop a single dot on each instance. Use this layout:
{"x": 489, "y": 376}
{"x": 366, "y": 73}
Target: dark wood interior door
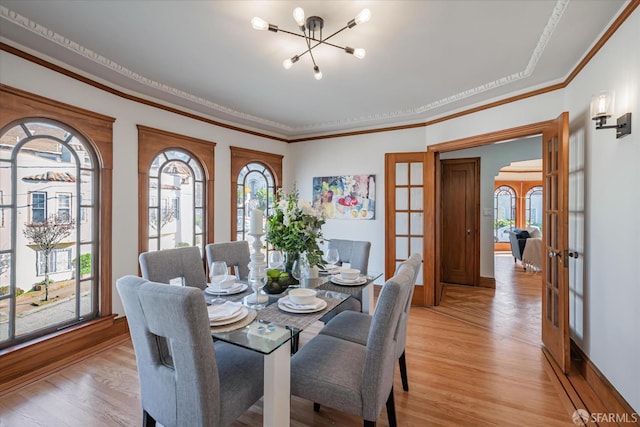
{"x": 555, "y": 289}
{"x": 460, "y": 195}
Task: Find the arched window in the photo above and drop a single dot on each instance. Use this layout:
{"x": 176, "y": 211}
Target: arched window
{"x": 255, "y": 189}
{"x": 49, "y": 252}
{"x": 176, "y": 201}
{"x": 533, "y": 210}
{"x": 175, "y": 188}
{"x": 255, "y": 179}
{"x": 504, "y": 205}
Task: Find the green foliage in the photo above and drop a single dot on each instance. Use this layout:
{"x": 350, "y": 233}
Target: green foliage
{"x": 499, "y": 223}
{"x": 5, "y": 290}
{"x": 85, "y": 264}
{"x": 295, "y": 227}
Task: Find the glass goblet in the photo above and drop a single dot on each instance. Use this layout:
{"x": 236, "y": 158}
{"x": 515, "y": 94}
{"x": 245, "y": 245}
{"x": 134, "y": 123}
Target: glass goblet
{"x": 276, "y": 260}
{"x": 218, "y": 273}
{"x": 332, "y": 258}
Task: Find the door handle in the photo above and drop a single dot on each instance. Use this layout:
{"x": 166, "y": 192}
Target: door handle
{"x": 553, "y": 253}
{"x": 573, "y": 254}
{"x": 468, "y": 231}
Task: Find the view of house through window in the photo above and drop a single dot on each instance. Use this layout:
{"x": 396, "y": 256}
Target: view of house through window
{"x": 176, "y": 201}
{"x": 47, "y": 254}
{"x": 255, "y": 189}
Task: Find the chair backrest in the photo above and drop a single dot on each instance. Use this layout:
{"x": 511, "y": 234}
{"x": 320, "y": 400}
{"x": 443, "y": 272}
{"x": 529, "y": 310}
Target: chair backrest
{"x": 380, "y": 358}
{"x": 175, "y": 355}
{"x": 415, "y": 262}
{"x": 235, "y": 254}
{"x": 355, "y": 252}
{"x": 162, "y": 266}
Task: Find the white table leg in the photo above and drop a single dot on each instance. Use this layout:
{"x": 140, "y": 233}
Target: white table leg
{"x": 277, "y": 387}
{"x": 367, "y": 300}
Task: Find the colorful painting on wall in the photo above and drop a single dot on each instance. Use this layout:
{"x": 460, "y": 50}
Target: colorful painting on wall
{"x": 346, "y": 196}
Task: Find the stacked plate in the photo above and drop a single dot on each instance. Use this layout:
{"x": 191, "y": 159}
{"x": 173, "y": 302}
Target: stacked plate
{"x": 285, "y": 304}
{"x": 330, "y": 269}
{"x": 236, "y": 288}
{"x": 226, "y": 313}
{"x": 338, "y": 280}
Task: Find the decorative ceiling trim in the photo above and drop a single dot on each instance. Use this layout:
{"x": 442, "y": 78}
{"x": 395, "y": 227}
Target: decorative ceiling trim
{"x": 60, "y": 40}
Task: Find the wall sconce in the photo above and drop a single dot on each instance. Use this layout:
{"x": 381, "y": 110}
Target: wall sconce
{"x": 602, "y": 108}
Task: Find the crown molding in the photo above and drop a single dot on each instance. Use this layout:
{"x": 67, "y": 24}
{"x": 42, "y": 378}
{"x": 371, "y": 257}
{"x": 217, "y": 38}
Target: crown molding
{"x": 404, "y": 114}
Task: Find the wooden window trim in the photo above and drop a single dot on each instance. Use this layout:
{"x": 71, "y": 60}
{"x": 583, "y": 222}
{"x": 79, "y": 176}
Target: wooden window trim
{"x": 243, "y": 156}
{"x": 152, "y": 142}
{"x": 97, "y": 130}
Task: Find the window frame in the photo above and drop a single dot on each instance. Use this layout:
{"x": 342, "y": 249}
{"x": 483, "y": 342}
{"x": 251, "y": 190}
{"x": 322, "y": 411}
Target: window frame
{"x": 241, "y": 157}
{"x": 152, "y": 142}
{"x": 32, "y": 195}
{"x": 96, "y": 129}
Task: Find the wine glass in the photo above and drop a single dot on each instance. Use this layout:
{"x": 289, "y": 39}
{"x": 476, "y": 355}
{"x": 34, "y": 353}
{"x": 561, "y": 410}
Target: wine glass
{"x": 332, "y": 258}
{"x": 298, "y": 270}
{"x": 276, "y": 260}
{"x": 218, "y": 273}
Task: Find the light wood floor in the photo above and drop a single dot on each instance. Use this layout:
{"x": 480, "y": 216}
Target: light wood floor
{"x": 473, "y": 361}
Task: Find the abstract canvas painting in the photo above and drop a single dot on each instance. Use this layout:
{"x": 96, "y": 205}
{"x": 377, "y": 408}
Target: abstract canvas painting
{"x": 346, "y": 196}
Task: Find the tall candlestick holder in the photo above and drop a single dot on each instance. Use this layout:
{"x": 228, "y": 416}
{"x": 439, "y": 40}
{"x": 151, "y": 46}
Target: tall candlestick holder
{"x": 258, "y": 267}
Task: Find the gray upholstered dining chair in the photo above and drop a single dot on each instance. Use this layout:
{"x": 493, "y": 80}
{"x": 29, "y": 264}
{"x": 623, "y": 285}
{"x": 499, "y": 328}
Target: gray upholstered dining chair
{"x": 235, "y": 254}
{"x": 353, "y": 326}
{"x": 164, "y": 265}
{"x": 185, "y": 380}
{"x": 356, "y": 253}
{"x": 351, "y": 377}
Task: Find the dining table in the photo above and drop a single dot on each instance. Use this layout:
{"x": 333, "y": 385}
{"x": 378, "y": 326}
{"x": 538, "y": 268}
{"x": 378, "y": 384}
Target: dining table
{"x": 274, "y": 333}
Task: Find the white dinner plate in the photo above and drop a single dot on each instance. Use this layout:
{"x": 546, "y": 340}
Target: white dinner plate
{"x": 357, "y": 282}
{"x": 244, "y": 311}
{"x": 236, "y": 289}
{"x": 285, "y": 307}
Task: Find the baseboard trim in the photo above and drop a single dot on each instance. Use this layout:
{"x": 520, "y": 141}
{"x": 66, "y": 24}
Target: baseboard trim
{"x": 27, "y": 363}
{"x": 611, "y": 400}
{"x": 487, "y": 282}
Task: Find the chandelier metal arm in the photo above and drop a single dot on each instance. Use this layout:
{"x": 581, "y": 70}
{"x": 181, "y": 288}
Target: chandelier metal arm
{"x": 313, "y": 24}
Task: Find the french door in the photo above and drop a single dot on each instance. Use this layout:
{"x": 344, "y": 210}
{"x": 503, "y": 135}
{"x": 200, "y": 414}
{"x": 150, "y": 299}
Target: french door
{"x": 555, "y": 289}
{"x": 409, "y": 213}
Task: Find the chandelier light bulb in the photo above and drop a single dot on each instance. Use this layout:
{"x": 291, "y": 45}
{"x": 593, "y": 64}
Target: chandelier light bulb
{"x": 259, "y": 24}
{"x": 298, "y": 15}
{"x": 288, "y": 63}
{"x": 363, "y": 16}
{"x": 359, "y": 53}
{"x": 317, "y": 73}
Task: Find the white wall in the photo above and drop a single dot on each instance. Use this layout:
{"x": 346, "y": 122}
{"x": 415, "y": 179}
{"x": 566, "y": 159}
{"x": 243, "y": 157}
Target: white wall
{"x": 356, "y": 155}
{"x": 492, "y": 159}
{"x": 22, "y": 74}
{"x": 604, "y": 306}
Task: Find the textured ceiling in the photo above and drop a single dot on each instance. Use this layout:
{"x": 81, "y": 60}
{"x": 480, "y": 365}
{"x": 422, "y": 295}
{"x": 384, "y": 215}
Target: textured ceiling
{"x": 424, "y": 58}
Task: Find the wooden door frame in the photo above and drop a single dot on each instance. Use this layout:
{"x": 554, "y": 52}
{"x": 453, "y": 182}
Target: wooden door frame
{"x": 476, "y": 203}
{"x": 433, "y": 164}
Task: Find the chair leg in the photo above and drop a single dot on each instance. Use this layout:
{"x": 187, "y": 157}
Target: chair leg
{"x": 147, "y": 420}
{"x": 403, "y": 372}
{"x": 316, "y": 407}
{"x": 369, "y": 423}
{"x": 391, "y": 409}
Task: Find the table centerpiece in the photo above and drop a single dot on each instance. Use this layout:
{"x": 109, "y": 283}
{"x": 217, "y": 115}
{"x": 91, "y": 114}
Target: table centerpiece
{"x": 295, "y": 228}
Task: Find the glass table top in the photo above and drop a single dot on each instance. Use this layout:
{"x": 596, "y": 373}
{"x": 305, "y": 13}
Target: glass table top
{"x": 273, "y": 327}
